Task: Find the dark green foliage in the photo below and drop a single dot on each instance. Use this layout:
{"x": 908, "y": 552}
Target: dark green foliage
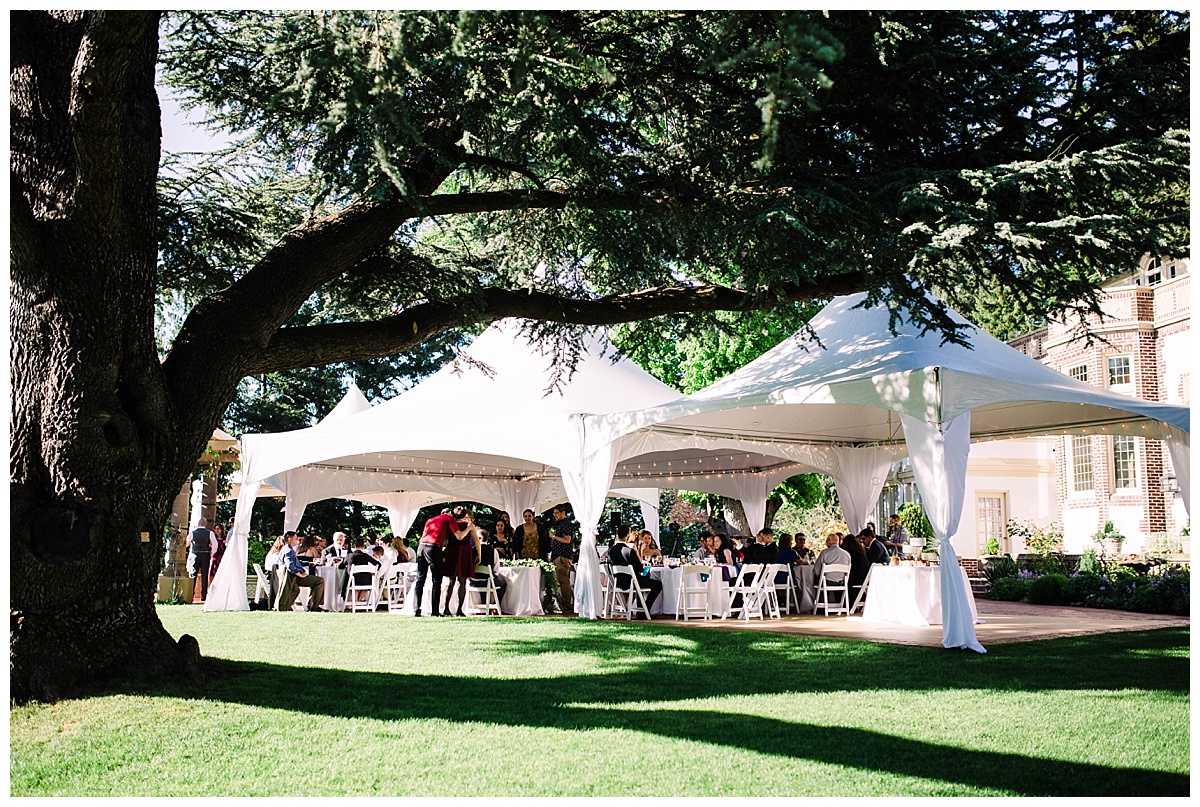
{"x": 914, "y": 520}
{"x": 1048, "y": 589}
{"x": 1089, "y": 562}
{"x": 256, "y": 551}
{"x": 1169, "y": 593}
{"x": 1087, "y": 588}
{"x": 998, "y": 567}
{"x": 1013, "y": 589}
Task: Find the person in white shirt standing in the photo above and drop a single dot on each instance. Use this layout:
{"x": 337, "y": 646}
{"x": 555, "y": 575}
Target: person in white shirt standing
{"x": 202, "y": 544}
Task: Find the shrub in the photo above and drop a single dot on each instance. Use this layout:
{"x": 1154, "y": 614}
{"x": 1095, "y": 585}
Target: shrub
{"x": 1168, "y": 593}
{"x": 256, "y": 552}
{"x": 1049, "y": 589}
{"x": 1012, "y": 589}
{"x": 998, "y": 567}
{"x": 1089, "y": 562}
{"x": 912, "y": 517}
{"x": 1085, "y": 588}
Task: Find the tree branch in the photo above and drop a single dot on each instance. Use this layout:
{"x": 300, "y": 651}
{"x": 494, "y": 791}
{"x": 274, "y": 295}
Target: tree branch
{"x": 291, "y": 348}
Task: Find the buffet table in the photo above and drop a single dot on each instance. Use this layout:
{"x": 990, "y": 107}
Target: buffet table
{"x": 910, "y": 595}
{"x": 523, "y": 597}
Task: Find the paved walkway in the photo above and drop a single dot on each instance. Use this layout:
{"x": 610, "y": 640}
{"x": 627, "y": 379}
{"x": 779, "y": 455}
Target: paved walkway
{"x": 1002, "y": 622}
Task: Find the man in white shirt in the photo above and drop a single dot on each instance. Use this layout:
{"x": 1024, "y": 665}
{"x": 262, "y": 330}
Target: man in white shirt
{"x": 832, "y": 554}
{"x": 202, "y": 545}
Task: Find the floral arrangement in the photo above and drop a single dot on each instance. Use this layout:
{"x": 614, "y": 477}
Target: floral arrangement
{"x": 549, "y": 579}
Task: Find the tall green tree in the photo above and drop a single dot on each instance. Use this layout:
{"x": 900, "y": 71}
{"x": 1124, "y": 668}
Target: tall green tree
{"x": 453, "y": 168}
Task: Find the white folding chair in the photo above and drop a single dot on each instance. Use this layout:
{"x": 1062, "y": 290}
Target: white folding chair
{"x": 862, "y": 592}
{"x": 828, "y": 585}
{"x": 691, "y": 587}
{"x": 791, "y": 597}
{"x": 606, "y": 591}
{"x": 627, "y": 599}
{"x": 263, "y": 589}
{"x": 750, "y": 591}
{"x": 362, "y": 596}
{"x": 395, "y": 588}
{"x": 481, "y": 595}
{"x": 767, "y": 590}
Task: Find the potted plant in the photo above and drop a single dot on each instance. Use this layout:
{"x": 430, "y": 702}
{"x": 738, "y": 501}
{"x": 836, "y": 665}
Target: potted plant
{"x": 1109, "y": 539}
{"x": 992, "y": 548}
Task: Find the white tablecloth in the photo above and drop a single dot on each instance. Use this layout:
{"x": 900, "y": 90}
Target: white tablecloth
{"x": 910, "y": 595}
{"x": 333, "y": 577}
{"x": 668, "y": 602}
{"x": 803, "y": 575}
{"x": 523, "y": 597}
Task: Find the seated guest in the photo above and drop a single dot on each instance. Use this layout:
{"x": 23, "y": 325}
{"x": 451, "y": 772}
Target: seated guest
{"x": 859, "y": 565}
{"x": 833, "y": 554}
{"x": 705, "y": 551}
{"x": 764, "y": 549}
{"x": 297, "y": 578}
{"x": 359, "y": 557}
{"x": 272, "y": 558}
{"x": 876, "y": 548}
{"x": 622, "y": 553}
{"x": 307, "y": 547}
{"x": 724, "y": 550}
{"x": 804, "y": 552}
{"x": 647, "y": 550}
{"x": 787, "y": 556}
{"x": 398, "y": 551}
{"x": 336, "y": 552}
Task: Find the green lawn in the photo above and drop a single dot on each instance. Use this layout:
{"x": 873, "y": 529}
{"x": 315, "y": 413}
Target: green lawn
{"x": 373, "y": 704}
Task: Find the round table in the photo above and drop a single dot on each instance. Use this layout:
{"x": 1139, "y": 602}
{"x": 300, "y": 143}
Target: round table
{"x": 333, "y": 576}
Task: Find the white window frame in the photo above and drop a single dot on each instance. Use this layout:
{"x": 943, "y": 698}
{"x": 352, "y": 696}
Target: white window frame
{"x": 1133, "y": 484}
{"x": 1073, "y": 450}
{"x": 1126, "y": 387}
{"x": 1079, "y": 372}
{"x": 980, "y": 534}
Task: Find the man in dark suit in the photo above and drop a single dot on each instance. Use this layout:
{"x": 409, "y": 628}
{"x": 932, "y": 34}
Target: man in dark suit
{"x": 876, "y": 549}
{"x": 336, "y": 551}
{"x": 622, "y": 554}
{"x": 358, "y": 557}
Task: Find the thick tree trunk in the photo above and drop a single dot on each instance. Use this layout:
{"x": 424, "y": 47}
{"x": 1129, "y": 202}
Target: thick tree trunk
{"x": 97, "y": 452}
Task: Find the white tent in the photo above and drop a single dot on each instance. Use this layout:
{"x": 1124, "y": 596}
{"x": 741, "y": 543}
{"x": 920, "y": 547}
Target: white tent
{"x": 864, "y": 397}
{"x": 495, "y": 429}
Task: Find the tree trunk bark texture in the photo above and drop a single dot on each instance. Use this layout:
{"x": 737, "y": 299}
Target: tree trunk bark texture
{"x": 97, "y": 449}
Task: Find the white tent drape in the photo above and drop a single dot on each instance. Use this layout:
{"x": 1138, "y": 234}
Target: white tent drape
{"x": 519, "y": 496}
{"x": 402, "y": 510}
{"x": 650, "y": 519}
{"x": 859, "y": 474}
{"x": 1179, "y": 443}
{"x": 939, "y": 460}
{"x": 228, "y": 589}
{"x": 587, "y": 491}
{"x": 752, "y": 493}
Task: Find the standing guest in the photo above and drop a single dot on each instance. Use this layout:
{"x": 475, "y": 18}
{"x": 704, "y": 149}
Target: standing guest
{"x": 298, "y": 578}
{"x": 460, "y": 556}
{"x": 219, "y": 552}
{"x": 622, "y": 553}
{"x": 876, "y": 549}
{"x": 897, "y": 536}
{"x": 359, "y": 557}
{"x": 500, "y": 541}
{"x": 338, "y": 551}
{"x": 438, "y": 529}
{"x": 859, "y": 565}
{"x": 531, "y": 539}
{"x": 562, "y": 551}
{"x": 202, "y": 544}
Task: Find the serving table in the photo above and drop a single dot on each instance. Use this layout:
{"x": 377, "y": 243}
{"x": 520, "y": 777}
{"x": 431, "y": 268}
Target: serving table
{"x": 910, "y": 595}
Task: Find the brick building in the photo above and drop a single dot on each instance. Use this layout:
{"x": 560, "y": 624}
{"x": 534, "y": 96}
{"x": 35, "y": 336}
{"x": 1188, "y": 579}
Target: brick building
{"x": 1141, "y": 348}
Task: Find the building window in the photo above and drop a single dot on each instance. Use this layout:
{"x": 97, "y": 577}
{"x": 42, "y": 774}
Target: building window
{"x": 1124, "y": 452}
{"x": 1078, "y": 372}
{"x": 1120, "y": 374}
{"x": 990, "y": 520}
{"x": 1081, "y": 464}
